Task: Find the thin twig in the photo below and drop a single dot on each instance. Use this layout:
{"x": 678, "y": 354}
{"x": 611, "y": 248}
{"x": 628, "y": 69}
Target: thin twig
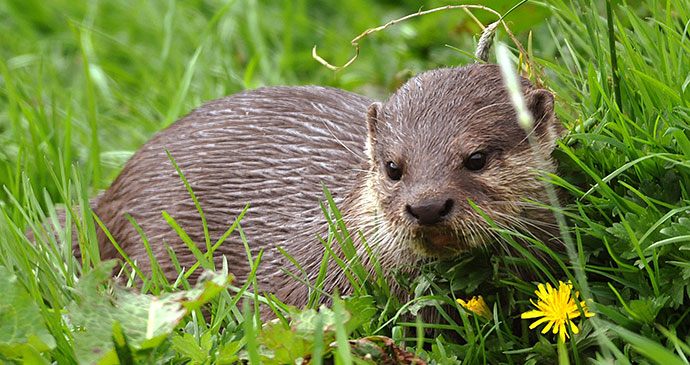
{"x": 474, "y": 18}
{"x": 355, "y": 41}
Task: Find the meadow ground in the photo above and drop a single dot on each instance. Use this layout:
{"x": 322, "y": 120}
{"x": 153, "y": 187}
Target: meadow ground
{"x": 84, "y": 84}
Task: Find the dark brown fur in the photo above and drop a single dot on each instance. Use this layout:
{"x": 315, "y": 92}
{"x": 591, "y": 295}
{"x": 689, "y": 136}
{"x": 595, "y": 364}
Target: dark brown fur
{"x": 274, "y": 147}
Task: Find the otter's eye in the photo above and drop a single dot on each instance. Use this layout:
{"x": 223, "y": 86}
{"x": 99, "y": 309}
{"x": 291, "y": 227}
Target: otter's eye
{"x": 476, "y": 161}
{"x": 394, "y": 172}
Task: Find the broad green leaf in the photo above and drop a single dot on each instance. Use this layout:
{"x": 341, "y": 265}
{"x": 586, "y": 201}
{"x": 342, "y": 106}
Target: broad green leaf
{"x": 228, "y": 353}
{"x": 22, "y": 330}
{"x": 286, "y": 343}
{"x": 187, "y": 345}
{"x": 361, "y": 310}
{"x": 145, "y": 320}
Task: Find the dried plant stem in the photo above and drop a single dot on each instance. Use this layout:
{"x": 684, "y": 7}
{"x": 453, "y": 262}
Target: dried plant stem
{"x": 479, "y": 23}
{"x": 484, "y": 43}
{"x": 355, "y": 41}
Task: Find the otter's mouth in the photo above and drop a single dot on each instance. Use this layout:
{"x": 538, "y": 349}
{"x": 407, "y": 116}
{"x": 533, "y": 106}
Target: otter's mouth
{"x": 441, "y": 240}
{"x": 440, "y": 243}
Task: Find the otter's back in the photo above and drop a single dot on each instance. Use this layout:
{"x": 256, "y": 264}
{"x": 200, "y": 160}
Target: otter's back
{"x": 271, "y": 148}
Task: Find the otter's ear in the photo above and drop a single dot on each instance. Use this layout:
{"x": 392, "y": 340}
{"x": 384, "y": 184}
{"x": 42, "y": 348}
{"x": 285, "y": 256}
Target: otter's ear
{"x": 373, "y": 114}
{"x": 546, "y": 125}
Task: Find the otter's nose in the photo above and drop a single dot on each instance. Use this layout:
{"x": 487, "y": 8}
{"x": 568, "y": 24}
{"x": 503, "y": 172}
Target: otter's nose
{"x": 430, "y": 212}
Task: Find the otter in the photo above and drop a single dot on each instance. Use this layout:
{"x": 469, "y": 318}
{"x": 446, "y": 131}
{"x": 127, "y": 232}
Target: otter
{"x": 402, "y": 172}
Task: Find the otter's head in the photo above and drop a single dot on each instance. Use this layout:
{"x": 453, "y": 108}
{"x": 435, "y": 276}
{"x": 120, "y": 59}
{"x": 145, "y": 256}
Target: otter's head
{"x": 450, "y": 136}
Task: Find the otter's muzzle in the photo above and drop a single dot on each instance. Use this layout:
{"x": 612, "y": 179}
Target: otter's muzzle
{"x": 430, "y": 211}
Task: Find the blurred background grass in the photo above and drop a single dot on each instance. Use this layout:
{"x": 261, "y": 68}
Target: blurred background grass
{"x": 86, "y": 83}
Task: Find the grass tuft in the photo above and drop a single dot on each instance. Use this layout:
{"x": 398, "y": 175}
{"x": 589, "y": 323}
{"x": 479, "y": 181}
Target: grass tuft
{"x": 84, "y": 84}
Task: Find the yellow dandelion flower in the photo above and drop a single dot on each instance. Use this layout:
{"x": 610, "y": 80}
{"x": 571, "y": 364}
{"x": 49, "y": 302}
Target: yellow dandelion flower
{"x": 476, "y": 305}
{"x": 556, "y": 307}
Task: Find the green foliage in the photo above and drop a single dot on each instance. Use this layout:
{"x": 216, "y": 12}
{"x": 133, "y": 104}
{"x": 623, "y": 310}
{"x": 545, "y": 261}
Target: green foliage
{"x": 83, "y": 84}
{"x": 283, "y": 343}
{"x": 633, "y": 159}
{"x": 143, "y": 320}
{"x": 21, "y": 336}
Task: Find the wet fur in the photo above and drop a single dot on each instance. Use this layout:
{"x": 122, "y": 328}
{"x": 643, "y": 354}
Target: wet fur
{"x": 274, "y": 147}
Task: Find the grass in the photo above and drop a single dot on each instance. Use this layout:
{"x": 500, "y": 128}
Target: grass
{"x": 82, "y": 85}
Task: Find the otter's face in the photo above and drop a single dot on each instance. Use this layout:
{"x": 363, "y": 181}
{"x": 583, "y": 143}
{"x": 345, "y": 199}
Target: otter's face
{"x": 448, "y": 137}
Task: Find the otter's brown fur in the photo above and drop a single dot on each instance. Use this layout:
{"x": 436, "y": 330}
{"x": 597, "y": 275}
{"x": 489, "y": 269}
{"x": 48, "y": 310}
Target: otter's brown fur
{"x": 274, "y": 147}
